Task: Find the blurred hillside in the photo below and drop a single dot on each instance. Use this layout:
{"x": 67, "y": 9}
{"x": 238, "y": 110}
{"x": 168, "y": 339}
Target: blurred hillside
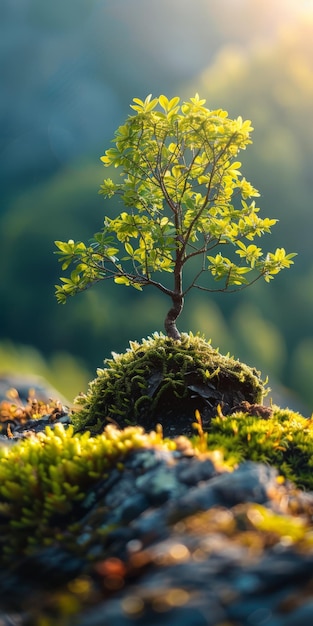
{"x": 69, "y": 72}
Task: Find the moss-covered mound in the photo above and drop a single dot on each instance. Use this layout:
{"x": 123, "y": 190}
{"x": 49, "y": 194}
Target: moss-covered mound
{"x": 165, "y": 381}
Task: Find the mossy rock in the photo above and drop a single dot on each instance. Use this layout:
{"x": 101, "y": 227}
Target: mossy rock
{"x": 61, "y": 526}
{"x": 45, "y": 479}
{"x": 162, "y": 381}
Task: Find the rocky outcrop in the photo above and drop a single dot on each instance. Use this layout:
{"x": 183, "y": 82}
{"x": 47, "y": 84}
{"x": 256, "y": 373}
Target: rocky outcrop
{"x": 200, "y": 515}
{"x": 170, "y": 536}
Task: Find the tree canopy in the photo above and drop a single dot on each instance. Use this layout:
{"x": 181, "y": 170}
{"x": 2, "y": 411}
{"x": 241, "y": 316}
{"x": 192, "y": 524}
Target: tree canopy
{"x": 184, "y": 199}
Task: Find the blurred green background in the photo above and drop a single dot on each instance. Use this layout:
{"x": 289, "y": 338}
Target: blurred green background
{"x": 69, "y": 71}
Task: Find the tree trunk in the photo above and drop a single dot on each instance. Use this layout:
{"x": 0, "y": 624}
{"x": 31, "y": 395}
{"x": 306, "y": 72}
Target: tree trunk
{"x": 172, "y": 315}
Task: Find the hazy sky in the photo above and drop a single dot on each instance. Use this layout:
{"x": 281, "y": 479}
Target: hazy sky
{"x": 69, "y": 69}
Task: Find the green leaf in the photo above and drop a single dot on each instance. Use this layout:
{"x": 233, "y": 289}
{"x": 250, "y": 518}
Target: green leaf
{"x": 63, "y": 246}
{"x": 111, "y": 252}
{"x": 129, "y": 249}
{"x": 163, "y": 100}
{"x": 173, "y": 103}
{"x": 122, "y": 280}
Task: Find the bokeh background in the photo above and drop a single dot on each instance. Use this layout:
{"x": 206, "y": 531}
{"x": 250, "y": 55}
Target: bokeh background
{"x": 69, "y": 71}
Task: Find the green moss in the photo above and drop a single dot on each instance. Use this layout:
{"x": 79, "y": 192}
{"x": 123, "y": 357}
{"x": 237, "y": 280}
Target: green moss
{"x": 284, "y": 440}
{"x": 43, "y": 478}
{"x": 163, "y": 381}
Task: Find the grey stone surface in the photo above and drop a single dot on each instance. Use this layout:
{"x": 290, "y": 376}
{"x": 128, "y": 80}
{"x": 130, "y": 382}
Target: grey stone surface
{"x": 179, "y": 530}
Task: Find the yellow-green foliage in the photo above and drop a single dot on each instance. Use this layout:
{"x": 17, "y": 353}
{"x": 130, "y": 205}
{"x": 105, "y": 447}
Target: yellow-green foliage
{"x": 135, "y": 383}
{"x": 185, "y": 200}
{"x": 43, "y": 477}
{"x": 284, "y": 440}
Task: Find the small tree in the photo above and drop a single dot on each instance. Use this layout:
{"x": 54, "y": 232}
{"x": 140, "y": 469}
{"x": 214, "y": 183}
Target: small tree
{"x": 186, "y": 202}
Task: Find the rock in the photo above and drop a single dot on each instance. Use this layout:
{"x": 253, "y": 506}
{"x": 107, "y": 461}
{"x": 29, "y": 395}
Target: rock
{"x": 170, "y": 538}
